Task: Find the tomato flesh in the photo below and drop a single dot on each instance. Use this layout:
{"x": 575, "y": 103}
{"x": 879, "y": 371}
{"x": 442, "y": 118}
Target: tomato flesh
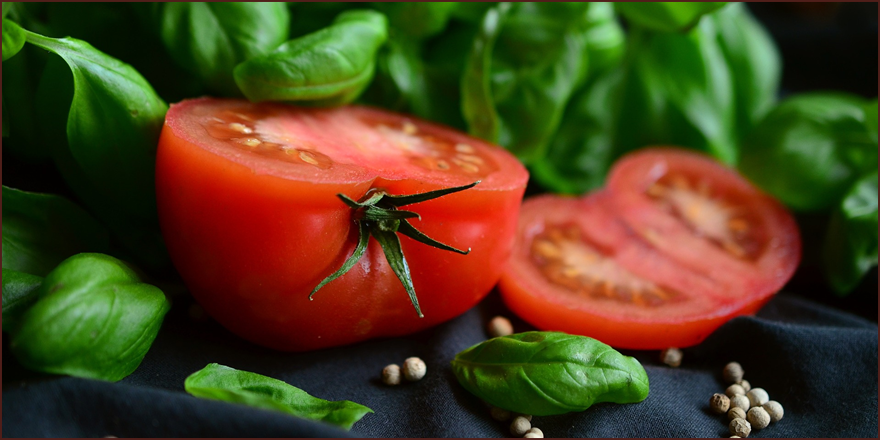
{"x": 249, "y": 212}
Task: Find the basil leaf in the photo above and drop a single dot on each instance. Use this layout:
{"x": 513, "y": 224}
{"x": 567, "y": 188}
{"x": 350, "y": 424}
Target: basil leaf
{"x": 476, "y": 88}
{"x": 20, "y": 291}
{"x": 329, "y": 67}
{"x": 666, "y": 16}
{"x": 754, "y": 63}
{"x": 547, "y": 373}
{"x": 41, "y": 230}
{"x": 209, "y": 39}
{"x": 851, "y": 242}
{"x": 94, "y": 319}
{"x": 218, "y": 382}
{"x": 606, "y": 40}
{"x": 112, "y": 126}
{"x": 13, "y": 39}
{"x": 417, "y": 19}
{"x": 811, "y": 149}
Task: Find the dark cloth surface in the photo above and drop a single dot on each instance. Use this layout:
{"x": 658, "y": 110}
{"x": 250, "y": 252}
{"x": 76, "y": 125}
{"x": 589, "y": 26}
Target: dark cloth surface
{"x": 821, "y": 364}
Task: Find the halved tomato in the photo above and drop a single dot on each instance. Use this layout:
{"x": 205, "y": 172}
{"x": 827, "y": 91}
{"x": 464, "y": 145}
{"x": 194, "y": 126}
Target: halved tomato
{"x": 249, "y": 210}
{"x": 708, "y": 218}
{"x": 675, "y": 246}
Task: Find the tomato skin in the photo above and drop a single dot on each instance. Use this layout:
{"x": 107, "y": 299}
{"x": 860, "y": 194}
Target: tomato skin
{"x": 251, "y": 245}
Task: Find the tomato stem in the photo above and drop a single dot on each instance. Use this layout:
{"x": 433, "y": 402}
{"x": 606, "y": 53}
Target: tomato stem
{"x": 377, "y": 215}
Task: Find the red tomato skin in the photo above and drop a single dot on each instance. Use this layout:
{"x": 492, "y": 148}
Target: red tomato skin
{"x": 251, "y": 246}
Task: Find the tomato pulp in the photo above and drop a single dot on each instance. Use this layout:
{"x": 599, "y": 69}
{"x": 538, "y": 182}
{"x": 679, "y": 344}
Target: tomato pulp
{"x": 249, "y": 210}
{"x": 672, "y": 248}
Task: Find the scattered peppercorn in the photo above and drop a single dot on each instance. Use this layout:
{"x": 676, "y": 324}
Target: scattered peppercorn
{"x": 526, "y": 416}
{"x": 534, "y": 433}
{"x": 774, "y": 410}
{"x": 500, "y": 326}
{"x": 735, "y": 436}
{"x": 757, "y": 397}
{"x": 500, "y": 414}
{"x": 733, "y": 373}
{"x": 758, "y": 418}
{"x": 740, "y": 402}
{"x": 519, "y": 426}
{"x": 736, "y": 413}
{"x": 719, "y": 403}
{"x": 414, "y": 369}
{"x": 391, "y": 375}
{"x": 671, "y": 356}
{"x": 746, "y": 385}
{"x": 740, "y": 427}
{"x": 735, "y": 390}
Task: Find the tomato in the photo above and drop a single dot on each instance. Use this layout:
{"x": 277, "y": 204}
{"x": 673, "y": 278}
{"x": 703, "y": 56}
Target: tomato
{"x": 707, "y": 217}
{"x": 249, "y": 210}
{"x": 672, "y": 248}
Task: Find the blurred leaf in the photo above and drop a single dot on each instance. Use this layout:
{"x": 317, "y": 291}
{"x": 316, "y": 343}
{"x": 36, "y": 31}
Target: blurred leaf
{"x": 20, "y": 292}
{"x": 666, "y": 16}
{"x": 417, "y": 19}
{"x": 606, "y": 40}
{"x": 13, "y": 39}
{"x": 851, "y": 242}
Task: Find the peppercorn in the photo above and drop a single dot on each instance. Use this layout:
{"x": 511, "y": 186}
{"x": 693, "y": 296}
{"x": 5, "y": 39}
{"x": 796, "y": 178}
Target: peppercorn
{"x": 526, "y": 416}
{"x": 757, "y": 397}
{"x": 758, "y": 418}
{"x": 735, "y": 436}
{"x": 391, "y": 375}
{"x": 736, "y": 413}
{"x": 740, "y": 402}
{"x": 746, "y": 385}
{"x": 735, "y": 390}
{"x": 740, "y": 427}
{"x": 500, "y": 326}
{"x": 499, "y": 414}
{"x": 671, "y": 356}
{"x": 519, "y": 426}
{"x": 733, "y": 373}
{"x": 774, "y": 410}
{"x": 414, "y": 369}
{"x": 534, "y": 433}
{"x": 719, "y": 403}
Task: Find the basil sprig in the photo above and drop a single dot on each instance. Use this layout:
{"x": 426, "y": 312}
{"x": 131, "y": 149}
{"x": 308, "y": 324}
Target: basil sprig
{"x": 93, "y": 318}
{"x": 548, "y": 373}
{"x": 219, "y": 382}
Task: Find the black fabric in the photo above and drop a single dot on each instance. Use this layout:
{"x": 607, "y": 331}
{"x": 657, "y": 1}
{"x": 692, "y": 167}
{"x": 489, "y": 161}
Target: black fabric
{"x": 821, "y": 364}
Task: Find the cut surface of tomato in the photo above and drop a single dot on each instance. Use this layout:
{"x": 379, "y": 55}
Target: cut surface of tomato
{"x": 249, "y": 211}
{"x": 578, "y": 269}
{"x": 707, "y": 218}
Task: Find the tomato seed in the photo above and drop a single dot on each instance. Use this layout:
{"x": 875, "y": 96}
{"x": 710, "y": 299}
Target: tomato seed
{"x": 241, "y": 128}
{"x": 464, "y": 148}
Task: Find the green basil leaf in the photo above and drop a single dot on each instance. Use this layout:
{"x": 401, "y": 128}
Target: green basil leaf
{"x": 547, "y": 373}
{"x": 218, "y": 382}
{"x": 329, "y": 67}
{"x": 417, "y": 19}
{"x": 210, "y": 39}
{"x": 851, "y": 242}
{"x": 112, "y": 126}
{"x": 606, "y": 40}
{"x": 94, "y": 319}
{"x": 13, "y": 39}
{"x": 666, "y": 16}
{"x": 42, "y": 230}
{"x": 539, "y": 60}
{"x": 811, "y": 148}
{"x": 20, "y": 291}
{"x": 754, "y": 63}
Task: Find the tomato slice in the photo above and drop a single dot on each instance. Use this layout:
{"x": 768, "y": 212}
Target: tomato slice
{"x": 249, "y": 210}
{"x": 708, "y": 218}
{"x": 577, "y": 268}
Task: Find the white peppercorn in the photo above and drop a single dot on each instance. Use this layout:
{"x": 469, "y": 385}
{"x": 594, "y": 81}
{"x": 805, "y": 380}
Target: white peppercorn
{"x": 526, "y": 416}
{"x": 735, "y": 436}
{"x": 740, "y": 427}
{"x": 391, "y": 375}
{"x": 758, "y": 418}
{"x": 499, "y": 414}
{"x": 534, "y": 433}
{"x": 746, "y": 385}
{"x": 740, "y": 402}
{"x": 414, "y": 369}
{"x": 719, "y": 403}
{"x": 671, "y": 356}
{"x": 736, "y": 413}
{"x": 519, "y": 426}
{"x": 757, "y": 397}
{"x": 735, "y": 390}
{"x": 774, "y": 409}
{"x": 500, "y": 326}
{"x": 733, "y": 373}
